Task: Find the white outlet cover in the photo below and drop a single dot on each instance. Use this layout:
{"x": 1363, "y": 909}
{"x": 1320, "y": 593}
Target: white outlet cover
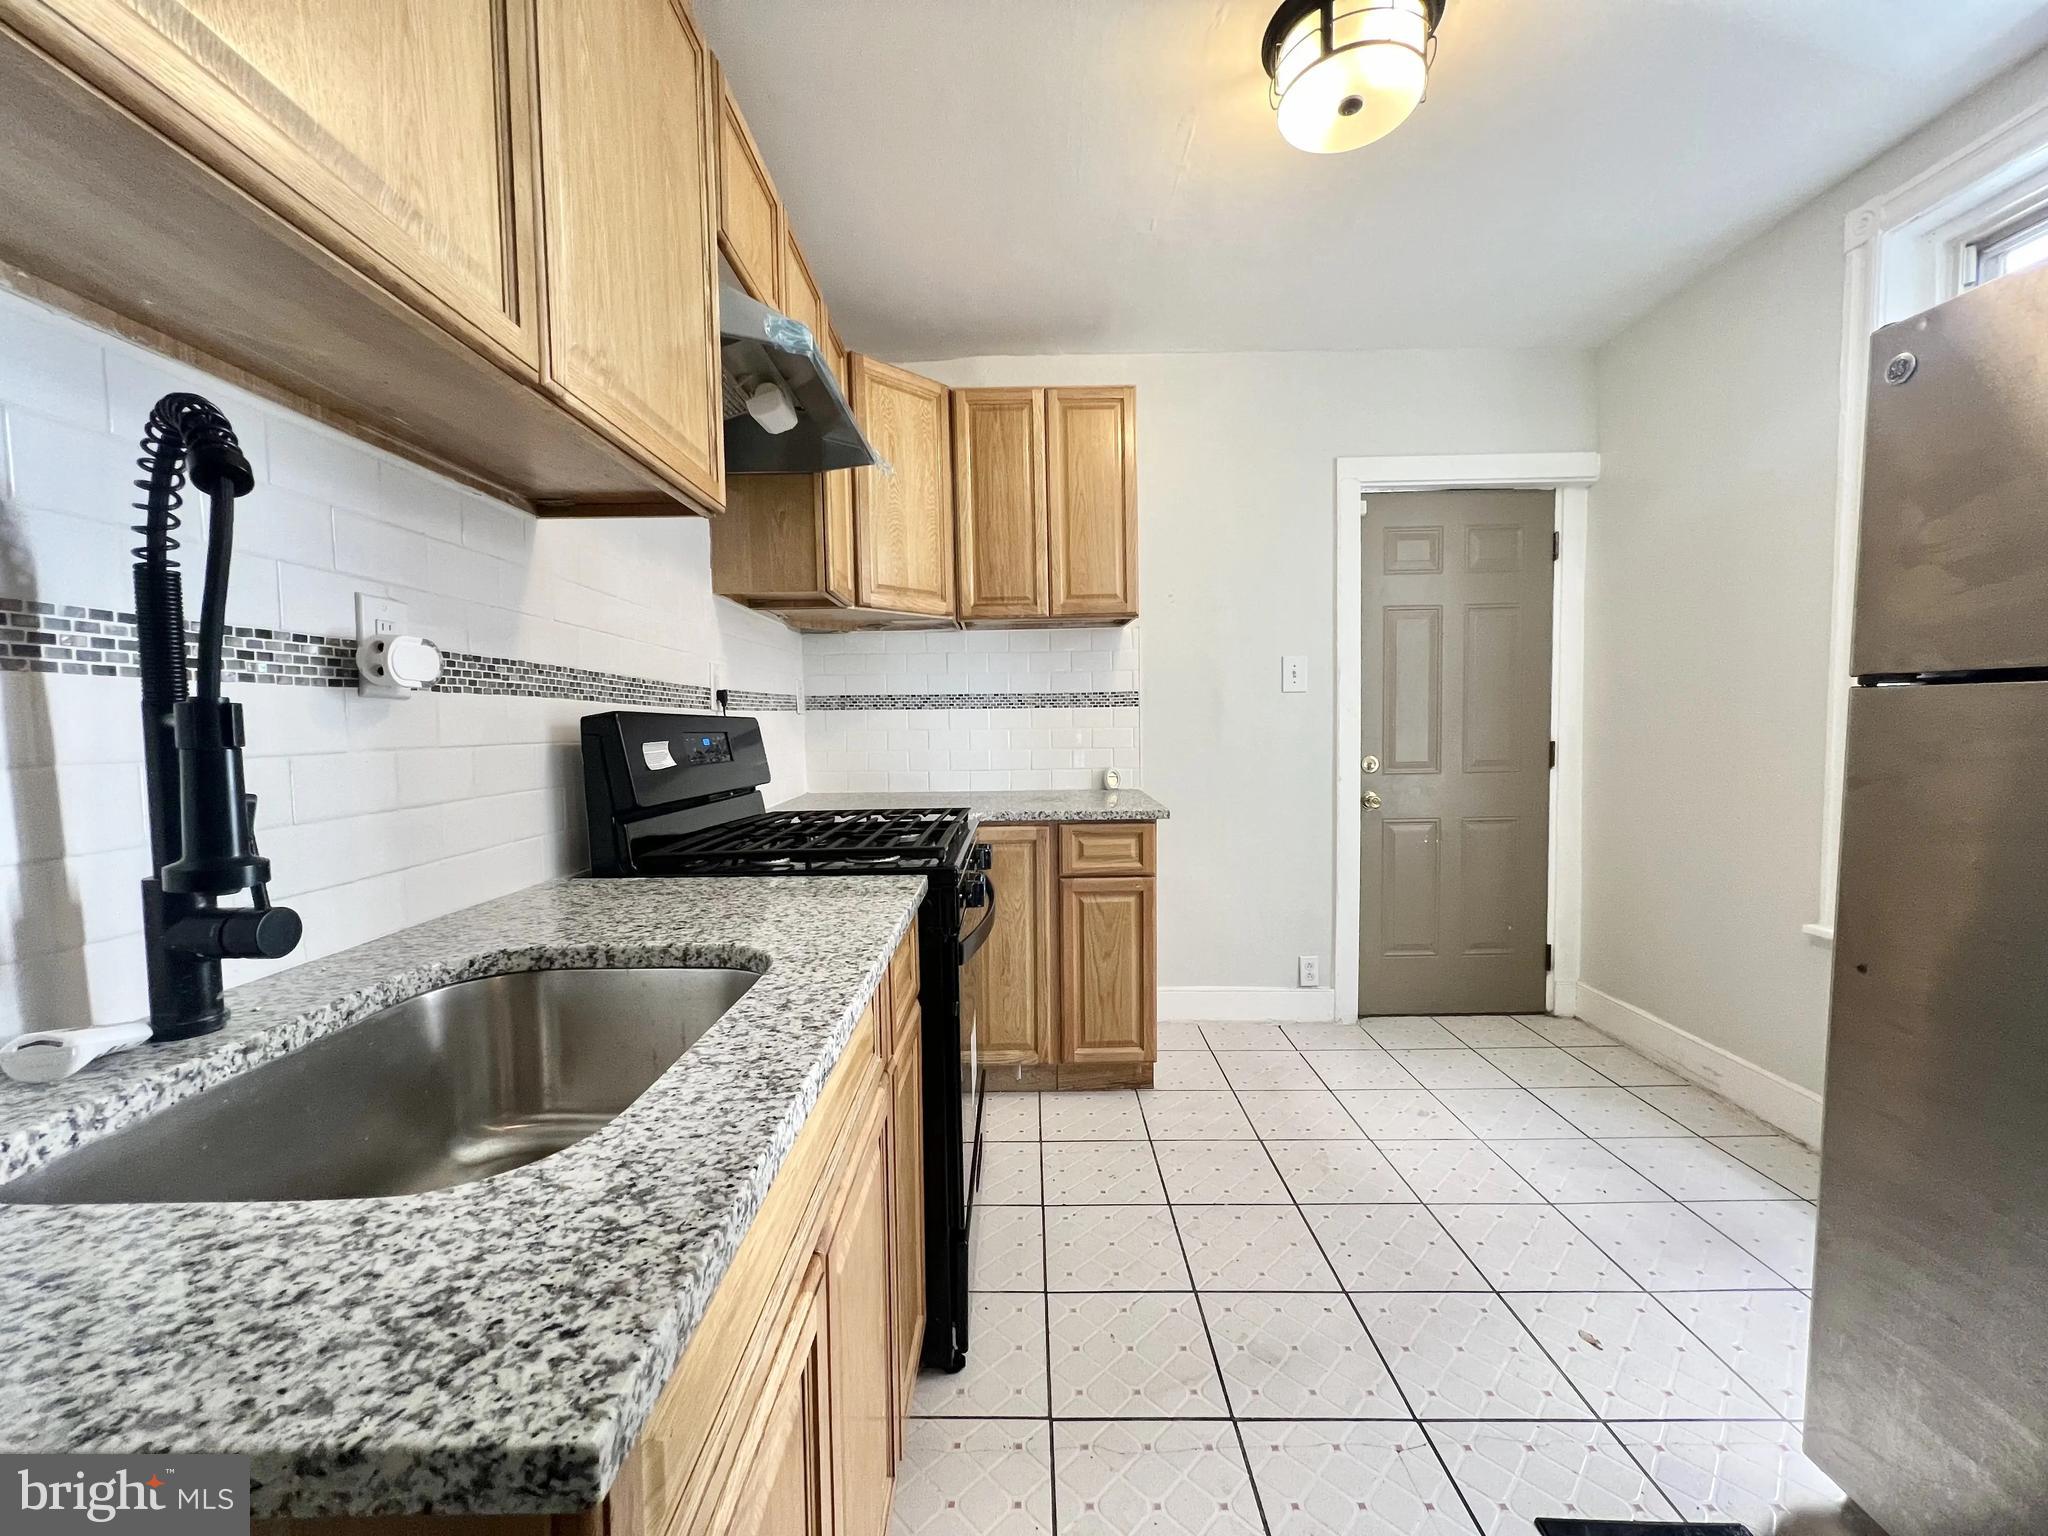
{"x": 1309, "y": 971}
{"x": 1294, "y": 674}
{"x": 377, "y": 616}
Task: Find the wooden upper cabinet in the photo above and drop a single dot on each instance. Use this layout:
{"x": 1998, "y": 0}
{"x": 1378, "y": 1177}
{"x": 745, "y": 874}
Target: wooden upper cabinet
{"x": 1008, "y": 986}
{"x": 836, "y": 350}
{"x": 397, "y": 133}
{"x": 999, "y": 502}
{"x": 801, "y": 299}
{"x": 837, "y": 491}
{"x": 627, "y": 124}
{"x": 1109, "y": 993}
{"x": 902, "y": 507}
{"x": 750, "y": 217}
{"x": 1092, "y": 502}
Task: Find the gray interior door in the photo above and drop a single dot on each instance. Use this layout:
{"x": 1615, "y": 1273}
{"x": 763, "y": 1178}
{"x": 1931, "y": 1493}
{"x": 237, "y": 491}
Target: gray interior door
{"x": 1454, "y": 827}
{"x": 1928, "y": 1400}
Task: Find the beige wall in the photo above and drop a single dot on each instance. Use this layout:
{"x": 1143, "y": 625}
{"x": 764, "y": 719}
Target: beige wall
{"x": 1709, "y": 581}
{"x": 1236, "y": 493}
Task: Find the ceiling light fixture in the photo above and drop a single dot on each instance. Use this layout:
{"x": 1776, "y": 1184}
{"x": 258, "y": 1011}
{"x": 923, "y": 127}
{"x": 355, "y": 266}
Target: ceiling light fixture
{"x": 1346, "y": 72}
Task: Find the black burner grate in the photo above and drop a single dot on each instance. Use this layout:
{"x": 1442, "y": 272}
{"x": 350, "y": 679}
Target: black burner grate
{"x": 819, "y": 842}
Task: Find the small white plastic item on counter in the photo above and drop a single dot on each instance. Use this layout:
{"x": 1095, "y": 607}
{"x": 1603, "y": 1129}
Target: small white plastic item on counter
{"x": 51, "y": 1055}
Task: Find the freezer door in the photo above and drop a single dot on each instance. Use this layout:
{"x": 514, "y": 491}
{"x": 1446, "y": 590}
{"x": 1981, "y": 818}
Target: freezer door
{"x": 1928, "y": 1395}
{"x": 1953, "y": 569}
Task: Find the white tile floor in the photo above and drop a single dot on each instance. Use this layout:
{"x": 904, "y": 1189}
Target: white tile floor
{"x": 1411, "y": 1277}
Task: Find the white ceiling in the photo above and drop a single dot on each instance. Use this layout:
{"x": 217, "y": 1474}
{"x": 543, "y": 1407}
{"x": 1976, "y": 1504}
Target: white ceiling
{"x": 998, "y": 176}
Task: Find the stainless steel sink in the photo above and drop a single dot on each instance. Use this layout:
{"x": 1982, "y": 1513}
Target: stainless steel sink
{"x": 445, "y": 1088}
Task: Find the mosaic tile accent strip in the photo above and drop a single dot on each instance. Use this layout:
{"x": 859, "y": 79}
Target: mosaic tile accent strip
{"x": 761, "y": 703}
{"x": 466, "y": 672}
{"x": 1121, "y": 699}
{"x": 69, "y": 640}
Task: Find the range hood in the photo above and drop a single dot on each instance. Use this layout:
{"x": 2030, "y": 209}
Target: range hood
{"x": 784, "y": 413}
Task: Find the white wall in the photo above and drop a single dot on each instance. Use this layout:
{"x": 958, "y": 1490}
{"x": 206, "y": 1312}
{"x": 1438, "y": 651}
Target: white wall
{"x": 375, "y": 814}
{"x": 1236, "y": 499}
{"x": 1709, "y": 579}
{"x": 975, "y": 710}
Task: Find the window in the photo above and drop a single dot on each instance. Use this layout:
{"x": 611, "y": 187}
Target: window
{"x": 2012, "y": 247}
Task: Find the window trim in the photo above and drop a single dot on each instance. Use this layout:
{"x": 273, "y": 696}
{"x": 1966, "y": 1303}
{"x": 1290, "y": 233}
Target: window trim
{"x": 1987, "y": 245}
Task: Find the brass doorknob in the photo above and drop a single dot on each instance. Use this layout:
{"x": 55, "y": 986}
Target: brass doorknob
{"x": 1371, "y": 801}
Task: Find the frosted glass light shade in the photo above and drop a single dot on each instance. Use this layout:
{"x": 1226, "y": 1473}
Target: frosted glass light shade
{"x": 1364, "y": 86}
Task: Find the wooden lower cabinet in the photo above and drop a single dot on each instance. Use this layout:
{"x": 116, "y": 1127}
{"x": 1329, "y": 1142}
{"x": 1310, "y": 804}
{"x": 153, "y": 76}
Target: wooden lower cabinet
{"x": 784, "y": 1487}
{"x": 1009, "y": 987}
{"x": 1109, "y": 985}
{"x": 1066, "y": 989}
{"x": 906, "y": 1200}
{"x": 862, "y": 1348}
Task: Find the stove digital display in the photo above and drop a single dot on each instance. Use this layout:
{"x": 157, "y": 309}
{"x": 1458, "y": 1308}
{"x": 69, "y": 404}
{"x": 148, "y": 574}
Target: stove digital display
{"x": 687, "y": 751}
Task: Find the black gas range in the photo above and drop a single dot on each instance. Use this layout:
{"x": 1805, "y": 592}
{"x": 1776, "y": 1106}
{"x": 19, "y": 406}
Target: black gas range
{"x": 680, "y": 795}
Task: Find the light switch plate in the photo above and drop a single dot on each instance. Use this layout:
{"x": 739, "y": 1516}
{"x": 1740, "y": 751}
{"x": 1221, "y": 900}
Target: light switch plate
{"x": 1294, "y": 674}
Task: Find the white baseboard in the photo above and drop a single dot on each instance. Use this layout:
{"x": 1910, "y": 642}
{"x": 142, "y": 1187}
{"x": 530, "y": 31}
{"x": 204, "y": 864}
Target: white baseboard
{"x": 1783, "y": 1103}
{"x": 1289, "y": 1005}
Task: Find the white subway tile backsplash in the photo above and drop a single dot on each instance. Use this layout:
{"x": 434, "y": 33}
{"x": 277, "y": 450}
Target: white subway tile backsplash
{"x": 52, "y": 369}
{"x": 369, "y": 546}
{"x": 432, "y": 775}
{"x": 343, "y": 784}
{"x": 374, "y": 813}
{"x": 412, "y": 498}
{"x": 307, "y": 458}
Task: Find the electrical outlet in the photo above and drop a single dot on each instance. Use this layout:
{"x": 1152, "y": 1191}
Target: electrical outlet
{"x": 377, "y": 618}
{"x": 1311, "y": 971}
{"x": 1294, "y": 674}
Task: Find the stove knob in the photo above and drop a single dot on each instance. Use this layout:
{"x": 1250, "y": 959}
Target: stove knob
{"x": 981, "y": 857}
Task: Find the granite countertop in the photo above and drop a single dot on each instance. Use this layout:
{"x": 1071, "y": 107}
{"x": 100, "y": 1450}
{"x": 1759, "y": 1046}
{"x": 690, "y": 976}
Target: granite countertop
{"x": 495, "y": 1347}
{"x": 997, "y": 804}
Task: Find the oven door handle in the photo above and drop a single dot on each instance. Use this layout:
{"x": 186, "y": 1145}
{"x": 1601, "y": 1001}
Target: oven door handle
{"x": 970, "y": 943}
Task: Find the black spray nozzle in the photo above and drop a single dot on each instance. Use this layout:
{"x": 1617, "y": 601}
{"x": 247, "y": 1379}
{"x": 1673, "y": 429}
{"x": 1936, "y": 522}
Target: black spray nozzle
{"x": 214, "y": 853}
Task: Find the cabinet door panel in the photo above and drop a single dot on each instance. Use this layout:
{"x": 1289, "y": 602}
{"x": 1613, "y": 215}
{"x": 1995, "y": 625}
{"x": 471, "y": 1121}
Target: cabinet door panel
{"x": 863, "y": 1381}
{"x": 750, "y": 220}
{"x": 801, "y": 299}
{"x": 906, "y": 1200}
{"x": 1092, "y": 501}
{"x": 1108, "y": 985}
{"x": 783, "y": 1486}
{"x": 999, "y": 501}
{"x": 839, "y": 535}
{"x": 396, "y": 132}
{"x": 1109, "y": 848}
{"x": 1008, "y": 986}
{"x": 903, "y": 507}
{"x": 626, "y": 135}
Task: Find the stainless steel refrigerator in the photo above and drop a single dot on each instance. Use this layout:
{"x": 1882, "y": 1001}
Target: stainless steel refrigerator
{"x": 1928, "y": 1397}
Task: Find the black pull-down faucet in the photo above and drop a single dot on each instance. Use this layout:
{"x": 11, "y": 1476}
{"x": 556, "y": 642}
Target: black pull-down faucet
{"x": 201, "y": 819}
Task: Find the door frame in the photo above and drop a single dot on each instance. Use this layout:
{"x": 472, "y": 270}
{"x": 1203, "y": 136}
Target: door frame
{"x": 1566, "y": 476}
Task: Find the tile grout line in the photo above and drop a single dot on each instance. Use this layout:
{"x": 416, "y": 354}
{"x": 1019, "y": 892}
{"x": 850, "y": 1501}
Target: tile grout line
{"x": 1349, "y": 1300}
{"x": 1485, "y": 1143}
{"x": 1052, "y": 1448}
{"x": 1202, "y": 1313}
{"x": 1663, "y": 1306}
{"x": 1542, "y": 1200}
